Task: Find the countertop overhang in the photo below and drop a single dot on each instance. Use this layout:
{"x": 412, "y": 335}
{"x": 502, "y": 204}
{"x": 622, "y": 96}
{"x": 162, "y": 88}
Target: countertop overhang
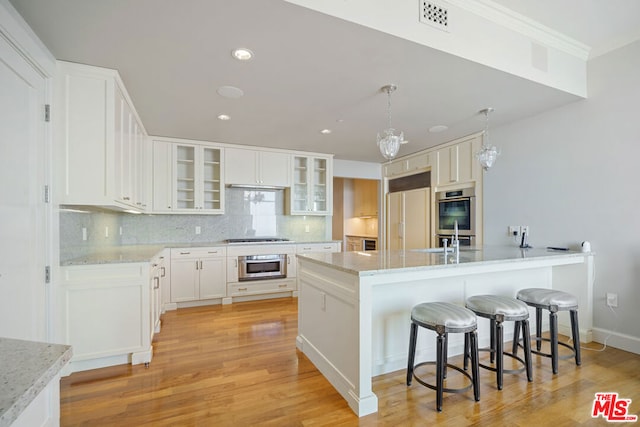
{"x": 27, "y": 367}
{"x": 371, "y": 263}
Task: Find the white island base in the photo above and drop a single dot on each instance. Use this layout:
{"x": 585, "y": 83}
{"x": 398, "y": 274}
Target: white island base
{"x": 355, "y": 307}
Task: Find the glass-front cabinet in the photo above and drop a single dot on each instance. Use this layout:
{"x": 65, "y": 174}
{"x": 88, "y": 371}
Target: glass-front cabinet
{"x": 312, "y": 187}
{"x": 197, "y": 179}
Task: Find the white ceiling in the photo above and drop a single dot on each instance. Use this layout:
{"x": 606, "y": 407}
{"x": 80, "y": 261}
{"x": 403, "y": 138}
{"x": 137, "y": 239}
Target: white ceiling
{"x": 311, "y": 71}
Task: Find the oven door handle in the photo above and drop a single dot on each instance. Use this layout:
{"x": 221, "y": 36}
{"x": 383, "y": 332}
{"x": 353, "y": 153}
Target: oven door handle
{"x": 455, "y": 199}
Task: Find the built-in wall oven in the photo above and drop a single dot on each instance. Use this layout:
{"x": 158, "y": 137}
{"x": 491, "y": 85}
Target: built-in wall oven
{"x": 258, "y": 267}
{"x": 456, "y": 207}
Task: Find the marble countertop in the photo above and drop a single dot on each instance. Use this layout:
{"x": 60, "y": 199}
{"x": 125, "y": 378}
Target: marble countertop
{"x": 380, "y": 262}
{"x": 26, "y": 369}
{"x": 145, "y": 253}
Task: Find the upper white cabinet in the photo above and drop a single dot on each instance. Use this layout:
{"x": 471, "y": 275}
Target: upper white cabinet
{"x": 457, "y": 164}
{"x": 408, "y": 165}
{"x": 312, "y": 187}
{"x": 256, "y": 167}
{"x": 101, "y": 146}
{"x": 187, "y": 177}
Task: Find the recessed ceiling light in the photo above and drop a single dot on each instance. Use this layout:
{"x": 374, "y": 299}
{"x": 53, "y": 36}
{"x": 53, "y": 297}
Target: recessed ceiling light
{"x": 224, "y": 117}
{"x": 230, "y": 92}
{"x": 438, "y": 128}
{"x": 325, "y": 131}
{"x": 242, "y": 54}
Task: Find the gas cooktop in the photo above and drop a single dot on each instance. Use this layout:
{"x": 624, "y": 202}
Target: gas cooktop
{"x": 256, "y": 240}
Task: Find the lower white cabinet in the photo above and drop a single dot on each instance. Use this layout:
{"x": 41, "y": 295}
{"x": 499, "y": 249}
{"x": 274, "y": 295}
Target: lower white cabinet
{"x": 105, "y": 314}
{"x": 198, "y": 274}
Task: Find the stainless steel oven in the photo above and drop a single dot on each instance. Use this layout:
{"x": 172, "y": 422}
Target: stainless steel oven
{"x": 258, "y": 267}
{"x": 456, "y": 206}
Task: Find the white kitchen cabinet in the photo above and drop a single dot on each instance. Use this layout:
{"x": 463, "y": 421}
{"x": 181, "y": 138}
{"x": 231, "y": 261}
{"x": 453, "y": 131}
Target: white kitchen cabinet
{"x": 408, "y": 219}
{"x": 312, "y": 187}
{"x": 198, "y": 274}
{"x": 408, "y": 165}
{"x": 256, "y": 167}
{"x": 197, "y": 179}
{"x": 162, "y": 166}
{"x": 159, "y": 278}
{"x": 105, "y": 314}
{"x": 99, "y": 140}
{"x": 457, "y": 164}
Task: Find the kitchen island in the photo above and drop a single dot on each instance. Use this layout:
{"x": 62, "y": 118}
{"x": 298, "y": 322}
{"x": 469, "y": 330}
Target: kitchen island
{"x": 355, "y": 307}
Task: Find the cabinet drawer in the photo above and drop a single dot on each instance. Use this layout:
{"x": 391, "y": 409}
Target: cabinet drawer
{"x": 177, "y": 253}
{"x": 318, "y": 247}
{"x": 261, "y": 287}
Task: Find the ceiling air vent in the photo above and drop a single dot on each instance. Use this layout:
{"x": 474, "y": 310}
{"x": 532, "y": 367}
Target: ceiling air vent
{"x": 434, "y": 15}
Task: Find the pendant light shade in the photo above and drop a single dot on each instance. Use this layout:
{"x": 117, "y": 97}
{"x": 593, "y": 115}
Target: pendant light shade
{"x": 488, "y": 153}
{"x": 388, "y": 140}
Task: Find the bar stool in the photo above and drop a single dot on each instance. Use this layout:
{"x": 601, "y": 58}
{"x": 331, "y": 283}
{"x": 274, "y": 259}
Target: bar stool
{"x": 553, "y": 301}
{"x": 444, "y": 318}
{"x": 499, "y": 309}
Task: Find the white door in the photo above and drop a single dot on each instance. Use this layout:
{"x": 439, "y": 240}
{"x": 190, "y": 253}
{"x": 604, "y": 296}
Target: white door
{"x": 23, "y": 227}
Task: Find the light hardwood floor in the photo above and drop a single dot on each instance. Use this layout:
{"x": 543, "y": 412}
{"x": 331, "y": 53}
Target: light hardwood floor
{"x": 237, "y": 365}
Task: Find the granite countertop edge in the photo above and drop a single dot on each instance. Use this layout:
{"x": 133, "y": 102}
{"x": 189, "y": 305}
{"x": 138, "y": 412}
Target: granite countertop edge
{"x": 17, "y": 404}
{"x": 145, "y": 253}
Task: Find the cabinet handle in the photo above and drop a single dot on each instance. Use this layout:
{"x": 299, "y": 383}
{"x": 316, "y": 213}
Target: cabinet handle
{"x": 185, "y": 253}
{"x": 156, "y": 281}
{"x": 164, "y": 271}
{"x": 200, "y": 265}
{"x": 197, "y": 265}
{"x": 288, "y": 259}
{"x": 282, "y": 286}
{"x": 236, "y": 262}
{"x": 326, "y": 247}
{"x": 212, "y": 252}
{"x": 242, "y": 289}
{"x": 126, "y": 198}
{"x": 306, "y": 249}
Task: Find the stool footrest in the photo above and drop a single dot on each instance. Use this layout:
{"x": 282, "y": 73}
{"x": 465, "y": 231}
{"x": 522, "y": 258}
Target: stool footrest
{"x": 444, "y": 389}
{"x": 560, "y": 356}
{"x": 506, "y": 371}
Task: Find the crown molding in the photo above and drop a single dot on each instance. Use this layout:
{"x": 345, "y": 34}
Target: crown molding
{"x": 514, "y": 21}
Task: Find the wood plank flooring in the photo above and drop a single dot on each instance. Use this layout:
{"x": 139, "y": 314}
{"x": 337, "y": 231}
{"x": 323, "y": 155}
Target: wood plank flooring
{"x": 237, "y": 365}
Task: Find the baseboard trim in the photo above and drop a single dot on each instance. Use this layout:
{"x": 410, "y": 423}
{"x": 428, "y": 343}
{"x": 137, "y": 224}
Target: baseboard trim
{"x": 617, "y": 340}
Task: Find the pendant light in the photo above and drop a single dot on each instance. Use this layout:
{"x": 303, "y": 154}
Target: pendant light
{"x": 488, "y": 153}
{"x": 389, "y": 142}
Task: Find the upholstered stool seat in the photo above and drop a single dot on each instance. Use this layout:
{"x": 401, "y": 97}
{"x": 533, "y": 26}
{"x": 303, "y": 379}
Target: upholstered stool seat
{"x": 553, "y": 301}
{"x": 444, "y": 318}
{"x": 499, "y": 309}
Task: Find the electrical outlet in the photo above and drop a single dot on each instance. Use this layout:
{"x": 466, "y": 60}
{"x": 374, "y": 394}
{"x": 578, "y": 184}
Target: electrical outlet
{"x": 306, "y": 228}
{"x": 198, "y": 229}
{"x": 84, "y": 233}
{"x": 524, "y": 229}
{"x": 514, "y": 230}
{"x": 612, "y": 299}
{"x": 106, "y": 232}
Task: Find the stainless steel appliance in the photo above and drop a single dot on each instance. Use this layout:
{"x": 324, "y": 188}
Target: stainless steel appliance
{"x": 369, "y": 244}
{"x": 456, "y": 206}
{"x": 259, "y": 267}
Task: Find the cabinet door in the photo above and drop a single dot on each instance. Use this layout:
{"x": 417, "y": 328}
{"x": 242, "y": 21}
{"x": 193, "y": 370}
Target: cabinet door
{"x": 241, "y": 166}
{"x": 209, "y": 184}
{"x": 396, "y": 167}
{"x": 184, "y": 177}
{"x": 447, "y": 161}
{"x": 162, "y": 180}
{"x": 395, "y": 220}
{"x": 365, "y": 197}
{"x": 417, "y": 219}
{"x": 232, "y": 269}
{"x": 320, "y": 189}
{"x": 184, "y": 279}
{"x": 275, "y": 169}
{"x": 213, "y": 281}
{"x": 301, "y": 189}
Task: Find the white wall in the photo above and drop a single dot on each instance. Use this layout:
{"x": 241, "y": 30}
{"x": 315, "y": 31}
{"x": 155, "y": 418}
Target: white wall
{"x": 571, "y": 174}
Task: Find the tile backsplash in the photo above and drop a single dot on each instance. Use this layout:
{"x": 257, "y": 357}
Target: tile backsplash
{"x": 248, "y": 213}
